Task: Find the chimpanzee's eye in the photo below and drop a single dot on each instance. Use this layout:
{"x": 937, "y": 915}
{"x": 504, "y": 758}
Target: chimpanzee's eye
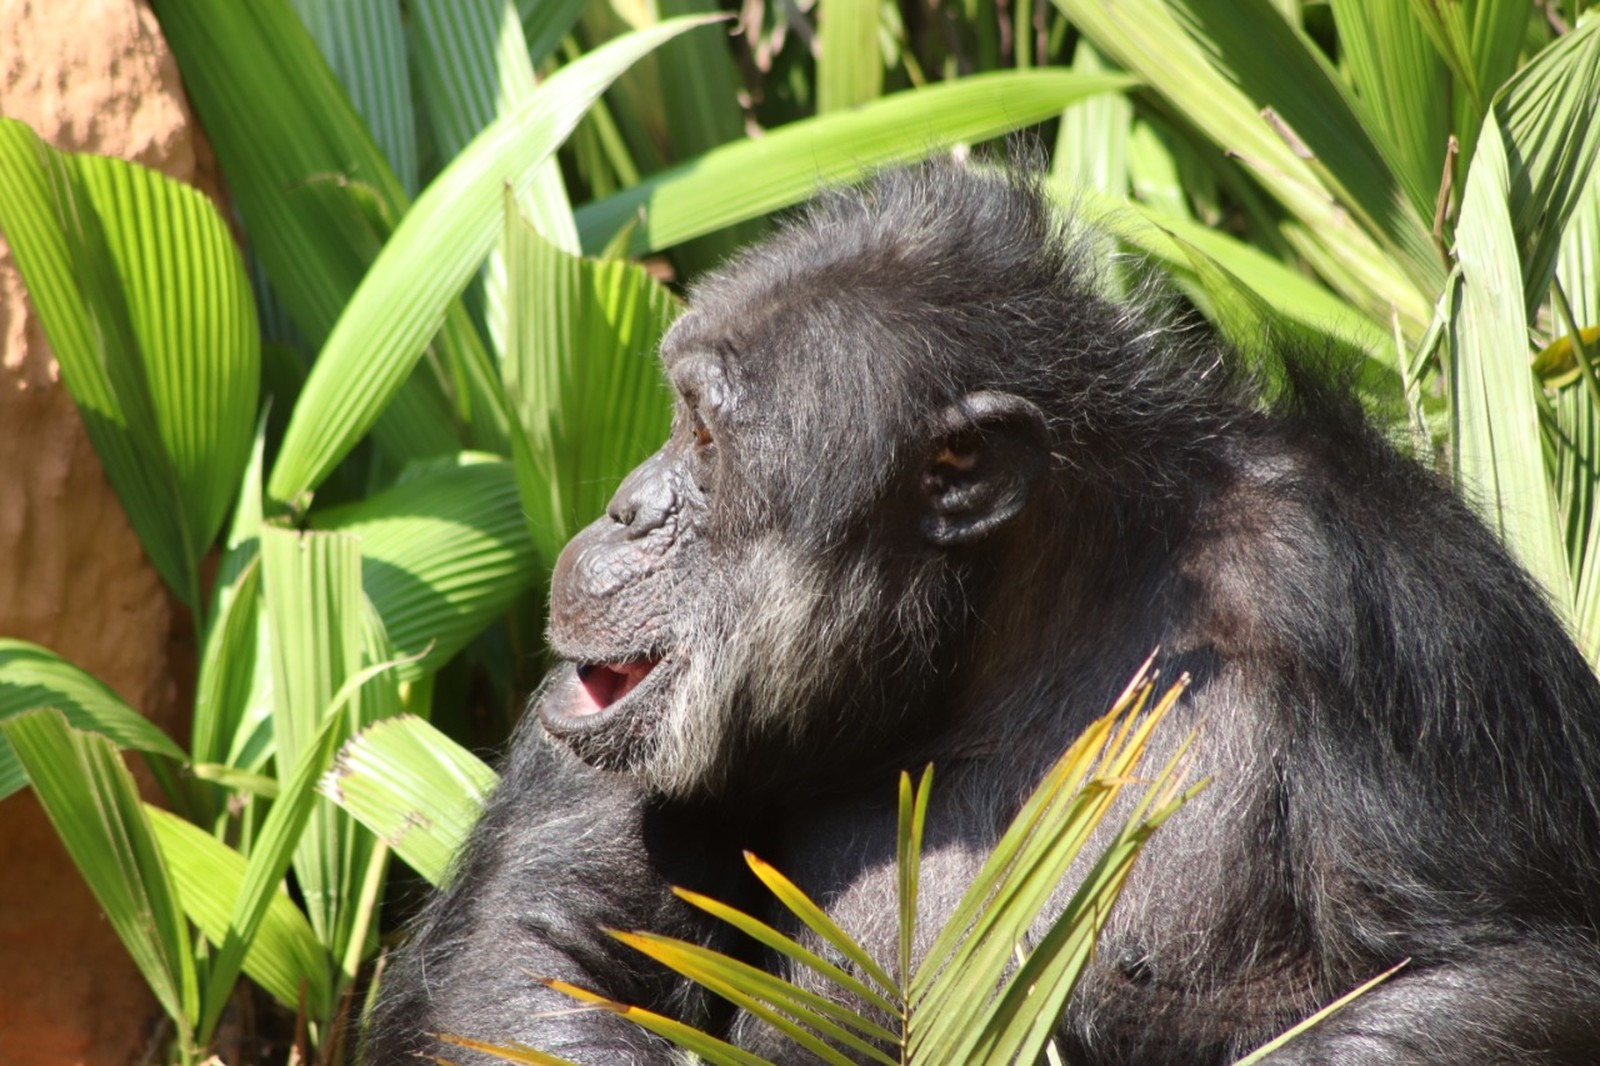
{"x": 698, "y": 427}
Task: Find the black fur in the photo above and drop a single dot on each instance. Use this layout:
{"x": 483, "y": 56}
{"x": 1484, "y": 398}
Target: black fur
{"x": 930, "y": 497}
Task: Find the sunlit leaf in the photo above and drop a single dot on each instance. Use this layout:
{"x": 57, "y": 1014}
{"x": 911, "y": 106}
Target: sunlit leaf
{"x": 780, "y": 1004}
{"x": 427, "y": 262}
{"x": 1174, "y": 241}
{"x": 316, "y": 195}
{"x": 1092, "y": 141}
{"x": 442, "y": 554}
{"x": 311, "y": 590}
{"x": 1263, "y": 94}
{"x": 208, "y": 874}
{"x": 93, "y": 802}
{"x": 955, "y": 1013}
{"x": 1577, "y": 409}
{"x": 583, "y": 379}
{"x": 750, "y": 178}
{"x": 913, "y": 808}
{"x": 233, "y": 676}
{"x": 817, "y": 920}
{"x": 474, "y": 66}
{"x": 849, "y": 66}
{"x": 146, "y": 303}
{"x": 264, "y": 872}
{"x": 1514, "y": 210}
{"x": 766, "y": 935}
{"x": 417, "y": 789}
{"x": 714, "y": 1051}
{"x": 1398, "y": 75}
{"x": 33, "y": 677}
{"x": 699, "y": 89}
{"x": 507, "y": 1052}
{"x": 1549, "y": 115}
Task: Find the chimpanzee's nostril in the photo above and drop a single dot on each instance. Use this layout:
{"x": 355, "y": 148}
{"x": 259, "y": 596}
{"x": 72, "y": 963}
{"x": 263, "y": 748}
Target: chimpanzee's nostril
{"x": 646, "y": 498}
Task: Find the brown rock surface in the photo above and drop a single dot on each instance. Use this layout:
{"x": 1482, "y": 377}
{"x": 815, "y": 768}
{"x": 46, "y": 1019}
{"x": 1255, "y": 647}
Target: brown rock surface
{"x": 89, "y": 75}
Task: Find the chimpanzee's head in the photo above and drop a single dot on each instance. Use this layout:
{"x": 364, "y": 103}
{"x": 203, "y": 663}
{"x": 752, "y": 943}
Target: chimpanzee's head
{"x": 868, "y": 406}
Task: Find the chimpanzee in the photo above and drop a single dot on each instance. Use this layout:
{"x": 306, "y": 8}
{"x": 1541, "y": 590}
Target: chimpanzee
{"x": 930, "y": 495}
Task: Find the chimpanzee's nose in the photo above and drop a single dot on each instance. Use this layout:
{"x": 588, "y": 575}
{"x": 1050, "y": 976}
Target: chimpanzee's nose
{"x": 645, "y": 499}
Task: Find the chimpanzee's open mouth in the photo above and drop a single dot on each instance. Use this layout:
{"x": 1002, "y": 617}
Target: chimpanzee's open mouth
{"x": 599, "y": 694}
{"x": 605, "y": 683}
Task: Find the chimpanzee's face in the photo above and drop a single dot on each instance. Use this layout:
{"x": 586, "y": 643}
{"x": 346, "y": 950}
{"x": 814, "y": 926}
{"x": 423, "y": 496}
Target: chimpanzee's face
{"x": 779, "y": 577}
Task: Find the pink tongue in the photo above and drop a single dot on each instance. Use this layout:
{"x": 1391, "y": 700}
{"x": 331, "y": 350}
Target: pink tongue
{"x": 606, "y": 683}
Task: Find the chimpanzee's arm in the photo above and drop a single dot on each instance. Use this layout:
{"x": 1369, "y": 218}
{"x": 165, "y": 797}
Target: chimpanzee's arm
{"x": 562, "y": 852}
{"x": 1514, "y": 1003}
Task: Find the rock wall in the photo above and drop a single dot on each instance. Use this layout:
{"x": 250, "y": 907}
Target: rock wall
{"x": 87, "y": 75}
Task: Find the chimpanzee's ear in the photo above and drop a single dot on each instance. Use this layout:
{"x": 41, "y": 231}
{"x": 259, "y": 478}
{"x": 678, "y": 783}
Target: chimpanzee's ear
{"x": 989, "y": 451}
